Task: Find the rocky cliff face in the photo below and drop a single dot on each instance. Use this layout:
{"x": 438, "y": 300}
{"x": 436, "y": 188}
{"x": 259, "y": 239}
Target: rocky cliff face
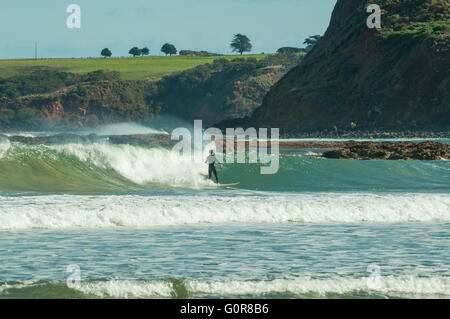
{"x": 218, "y": 92}
{"x": 356, "y": 77}
{"x": 84, "y": 104}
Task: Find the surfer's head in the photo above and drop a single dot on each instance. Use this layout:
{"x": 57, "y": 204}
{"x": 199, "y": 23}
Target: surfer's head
{"x": 211, "y": 152}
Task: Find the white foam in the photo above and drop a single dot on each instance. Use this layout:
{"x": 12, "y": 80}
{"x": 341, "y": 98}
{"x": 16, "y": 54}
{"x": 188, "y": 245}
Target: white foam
{"x": 4, "y": 147}
{"x": 127, "y": 289}
{"x": 141, "y": 165}
{"x": 124, "y": 129}
{"x": 393, "y": 286}
{"x": 70, "y": 211}
{"x": 24, "y": 134}
{"x": 400, "y": 286}
{"x": 4, "y": 287}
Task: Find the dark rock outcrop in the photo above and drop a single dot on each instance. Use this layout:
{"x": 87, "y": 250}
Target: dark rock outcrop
{"x": 391, "y": 151}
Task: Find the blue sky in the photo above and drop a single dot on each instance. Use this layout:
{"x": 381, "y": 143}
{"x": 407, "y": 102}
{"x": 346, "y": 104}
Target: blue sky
{"x": 188, "y": 24}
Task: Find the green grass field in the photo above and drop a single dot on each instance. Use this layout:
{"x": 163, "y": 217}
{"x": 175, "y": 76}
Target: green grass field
{"x": 141, "y": 68}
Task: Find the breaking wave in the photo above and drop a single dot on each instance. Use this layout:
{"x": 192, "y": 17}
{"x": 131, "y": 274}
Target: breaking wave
{"x": 94, "y": 167}
{"x": 134, "y": 211}
{"x": 296, "y": 287}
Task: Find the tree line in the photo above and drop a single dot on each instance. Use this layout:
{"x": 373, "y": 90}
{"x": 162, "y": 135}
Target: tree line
{"x": 240, "y": 44}
{"x": 167, "y": 49}
{"x": 309, "y": 43}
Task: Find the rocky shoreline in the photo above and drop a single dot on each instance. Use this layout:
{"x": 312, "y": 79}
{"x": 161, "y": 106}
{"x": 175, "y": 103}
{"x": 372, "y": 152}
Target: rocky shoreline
{"x": 367, "y": 134}
{"x": 359, "y": 150}
{"x": 431, "y": 151}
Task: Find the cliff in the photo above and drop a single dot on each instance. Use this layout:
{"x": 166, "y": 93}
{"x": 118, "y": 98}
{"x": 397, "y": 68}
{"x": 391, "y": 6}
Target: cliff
{"x": 221, "y": 90}
{"x": 82, "y": 104}
{"x": 211, "y": 92}
{"x": 395, "y": 77}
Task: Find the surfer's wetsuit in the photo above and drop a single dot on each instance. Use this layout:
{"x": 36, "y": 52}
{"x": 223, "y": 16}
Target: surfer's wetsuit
{"x": 211, "y": 160}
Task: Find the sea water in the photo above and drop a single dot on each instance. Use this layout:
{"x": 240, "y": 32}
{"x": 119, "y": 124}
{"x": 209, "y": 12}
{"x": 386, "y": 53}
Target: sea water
{"x": 142, "y": 222}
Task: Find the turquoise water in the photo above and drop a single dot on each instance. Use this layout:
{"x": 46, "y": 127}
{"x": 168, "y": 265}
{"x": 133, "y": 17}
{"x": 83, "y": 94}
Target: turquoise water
{"x": 144, "y": 223}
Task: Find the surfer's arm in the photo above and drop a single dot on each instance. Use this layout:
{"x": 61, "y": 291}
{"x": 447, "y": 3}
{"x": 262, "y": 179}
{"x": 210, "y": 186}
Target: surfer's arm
{"x": 218, "y": 162}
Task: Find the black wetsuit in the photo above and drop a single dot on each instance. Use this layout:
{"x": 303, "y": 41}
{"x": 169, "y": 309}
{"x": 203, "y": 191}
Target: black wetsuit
{"x": 211, "y": 161}
{"x": 212, "y": 169}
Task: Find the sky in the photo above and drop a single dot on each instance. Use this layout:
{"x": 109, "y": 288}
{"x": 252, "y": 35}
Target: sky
{"x": 188, "y": 24}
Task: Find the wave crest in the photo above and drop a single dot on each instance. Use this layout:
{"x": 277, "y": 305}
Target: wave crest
{"x": 303, "y": 286}
{"x": 69, "y": 211}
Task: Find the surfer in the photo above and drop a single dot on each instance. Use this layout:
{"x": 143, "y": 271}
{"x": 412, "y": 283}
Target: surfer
{"x": 211, "y": 160}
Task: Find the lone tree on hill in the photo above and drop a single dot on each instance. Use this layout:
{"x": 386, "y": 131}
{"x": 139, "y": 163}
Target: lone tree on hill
{"x": 241, "y": 43}
{"x": 168, "y": 49}
{"x": 311, "y": 41}
{"x": 145, "y": 51}
{"x": 135, "y": 51}
{"x": 106, "y": 53}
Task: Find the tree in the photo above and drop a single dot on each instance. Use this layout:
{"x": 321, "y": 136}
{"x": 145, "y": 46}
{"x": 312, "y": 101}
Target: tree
{"x": 311, "y": 41}
{"x": 106, "y": 53}
{"x": 135, "y": 51}
{"x": 168, "y": 49}
{"x": 145, "y": 51}
{"x": 287, "y": 50}
{"x": 241, "y": 43}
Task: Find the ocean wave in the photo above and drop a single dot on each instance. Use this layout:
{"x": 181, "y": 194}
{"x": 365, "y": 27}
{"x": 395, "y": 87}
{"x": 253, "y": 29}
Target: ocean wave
{"x": 104, "y": 167}
{"x": 140, "y": 165}
{"x": 125, "y": 128}
{"x": 127, "y": 289}
{"x": 98, "y": 166}
{"x": 70, "y": 211}
{"x": 303, "y": 286}
{"x": 387, "y": 285}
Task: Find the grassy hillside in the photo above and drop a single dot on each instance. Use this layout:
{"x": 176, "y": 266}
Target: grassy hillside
{"x": 226, "y": 88}
{"x": 143, "y": 68}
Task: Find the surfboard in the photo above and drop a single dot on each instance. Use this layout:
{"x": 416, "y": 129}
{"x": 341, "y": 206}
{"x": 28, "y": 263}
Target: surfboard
{"x": 227, "y": 185}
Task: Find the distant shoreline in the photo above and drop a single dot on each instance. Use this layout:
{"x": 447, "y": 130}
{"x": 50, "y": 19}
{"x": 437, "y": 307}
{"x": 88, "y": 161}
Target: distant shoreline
{"x": 313, "y": 134}
{"x": 375, "y": 134}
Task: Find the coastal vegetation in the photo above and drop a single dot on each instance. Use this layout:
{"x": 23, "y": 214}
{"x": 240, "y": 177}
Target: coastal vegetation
{"x": 224, "y": 88}
{"x": 135, "y": 51}
{"x": 169, "y": 49}
{"x": 241, "y": 43}
{"x": 146, "y": 68}
{"x": 106, "y": 53}
{"x": 198, "y": 53}
{"x": 310, "y": 42}
{"x": 40, "y": 82}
